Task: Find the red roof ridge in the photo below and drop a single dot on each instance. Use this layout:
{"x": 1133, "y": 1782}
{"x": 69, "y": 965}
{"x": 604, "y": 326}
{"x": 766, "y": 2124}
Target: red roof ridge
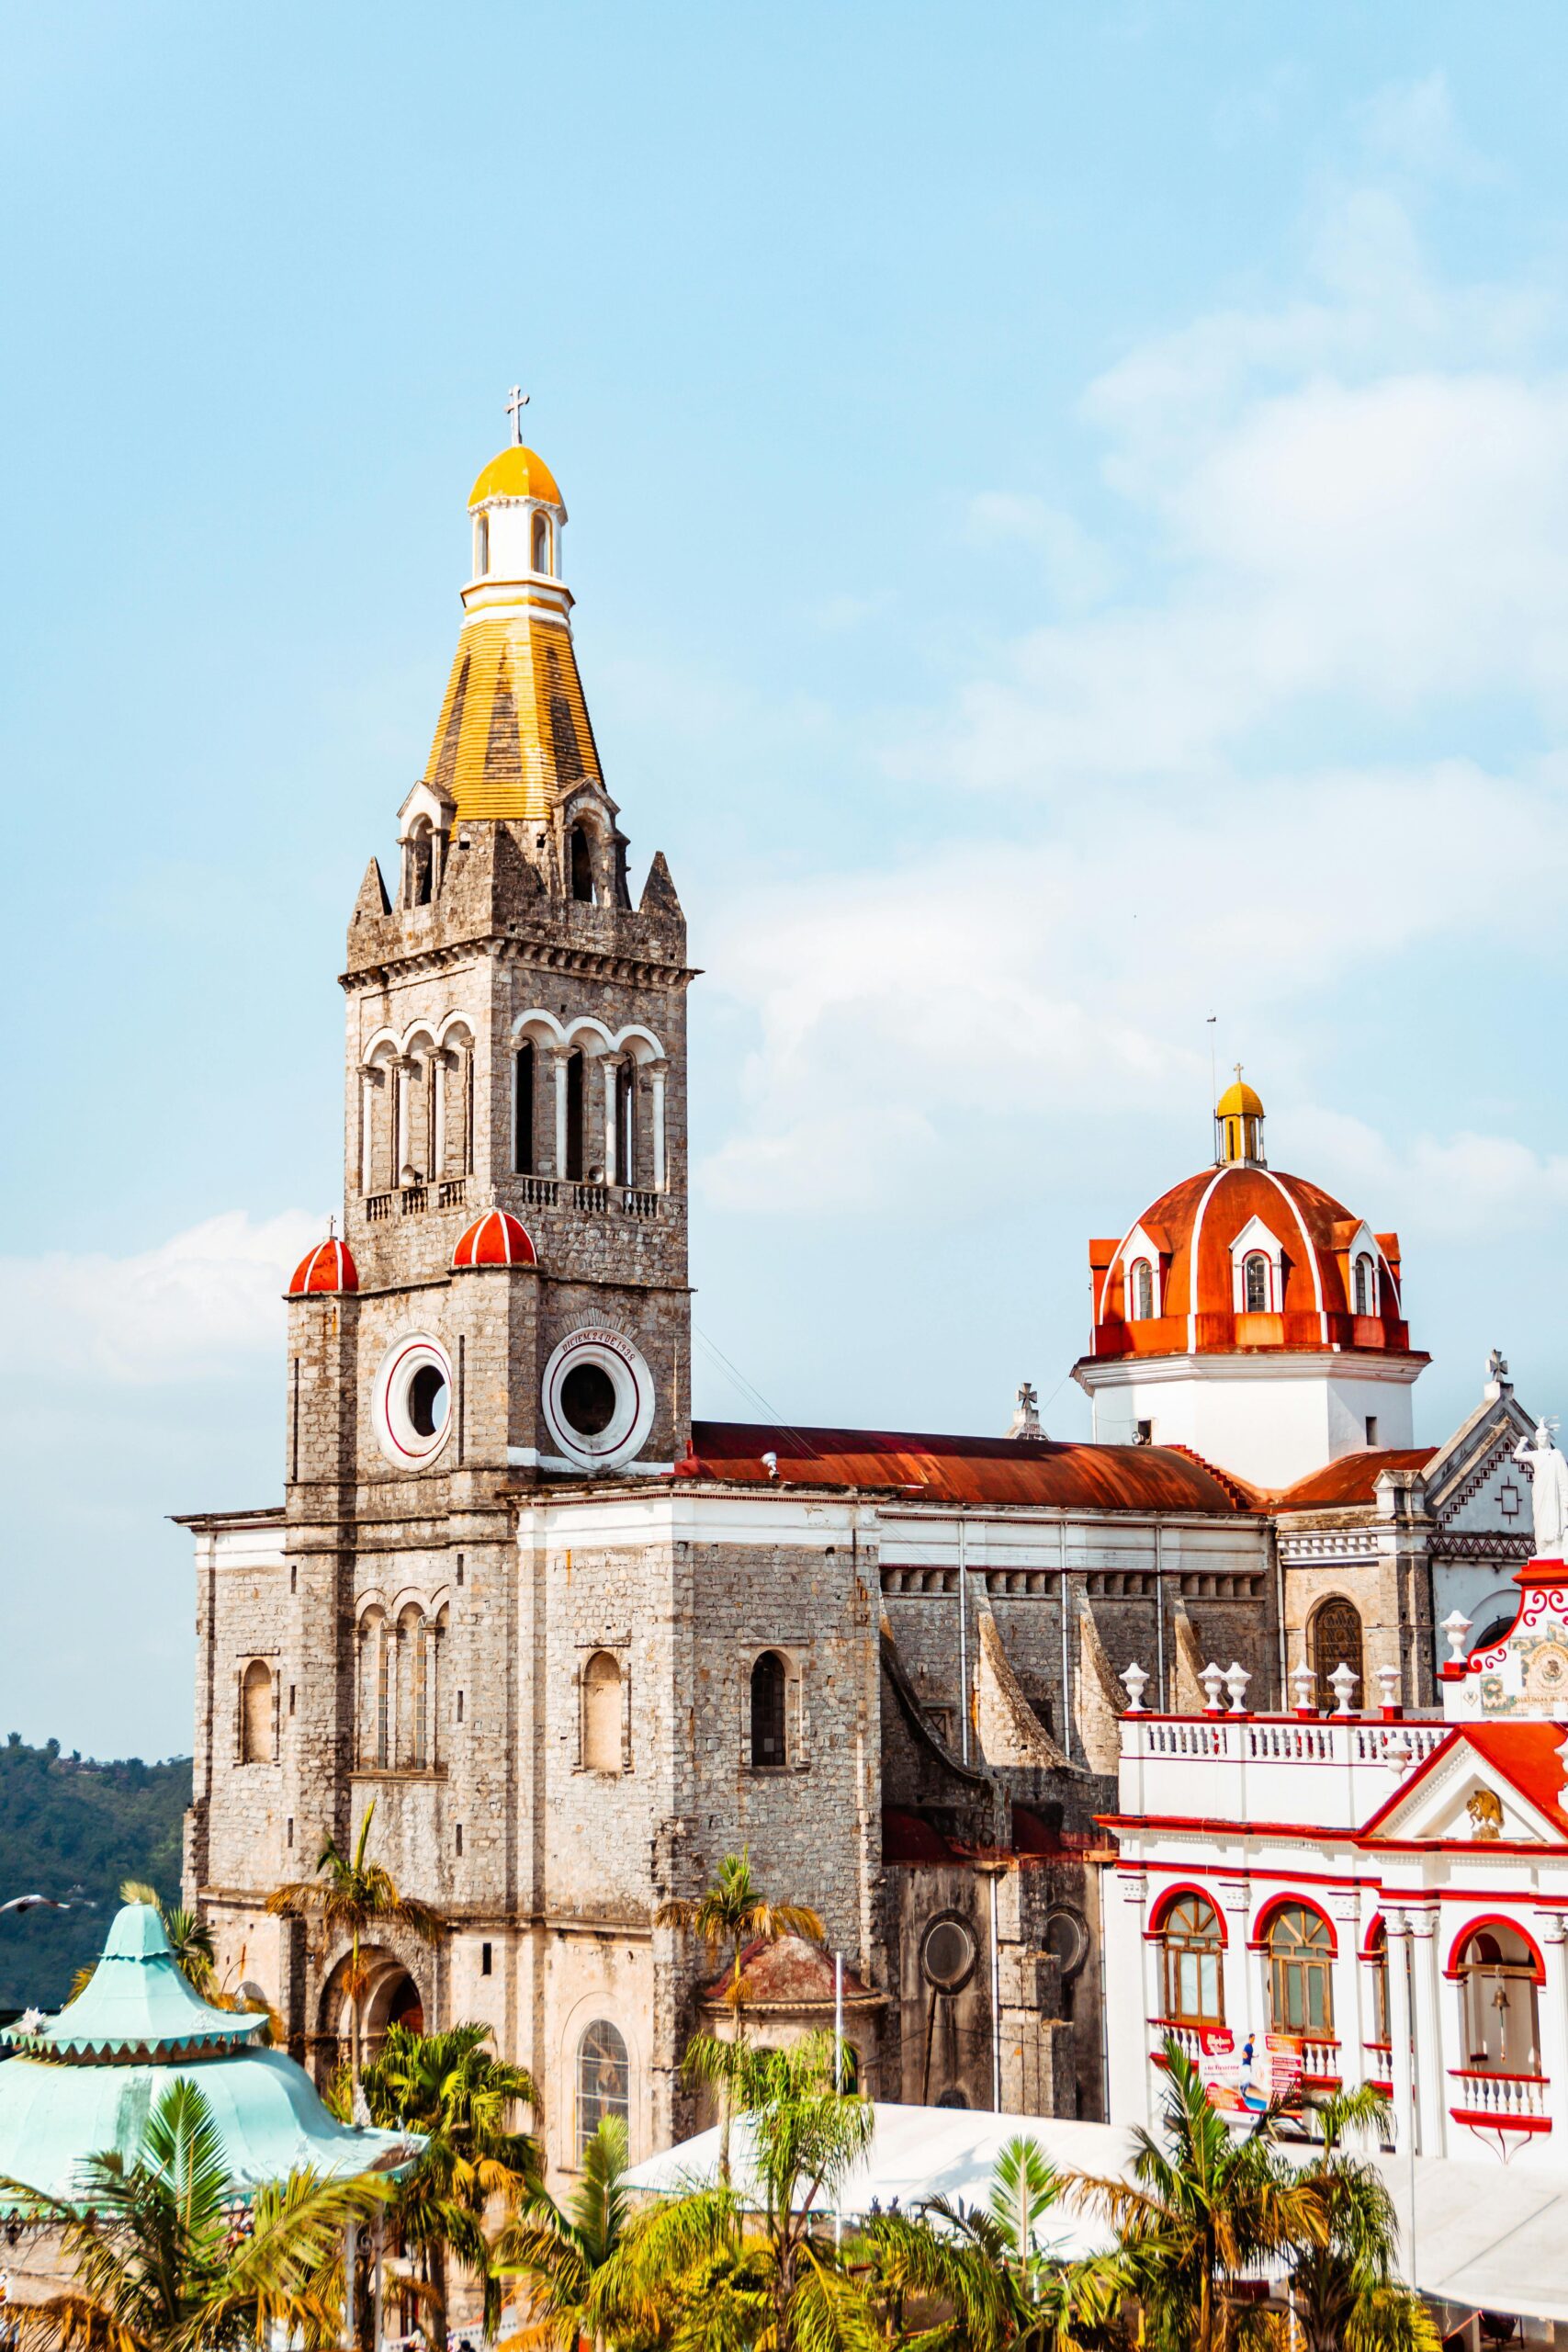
{"x": 1244, "y": 1497}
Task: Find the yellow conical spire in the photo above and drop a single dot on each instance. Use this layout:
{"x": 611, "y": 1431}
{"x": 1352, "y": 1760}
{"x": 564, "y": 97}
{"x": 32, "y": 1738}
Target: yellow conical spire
{"x": 513, "y": 732}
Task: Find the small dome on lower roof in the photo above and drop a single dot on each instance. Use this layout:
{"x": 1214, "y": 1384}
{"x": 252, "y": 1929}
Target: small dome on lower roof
{"x": 327, "y": 1267}
{"x": 497, "y": 1239}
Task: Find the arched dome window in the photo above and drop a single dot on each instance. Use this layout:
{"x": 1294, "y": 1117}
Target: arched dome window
{"x": 1255, "y": 1283}
{"x": 1195, "y": 1986}
{"x": 1365, "y": 1286}
{"x": 481, "y": 546}
{"x": 541, "y": 543}
{"x": 1142, "y": 1291}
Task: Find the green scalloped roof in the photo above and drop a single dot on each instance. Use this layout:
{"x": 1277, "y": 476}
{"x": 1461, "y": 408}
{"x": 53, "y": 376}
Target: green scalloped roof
{"x": 137, "y": 2003}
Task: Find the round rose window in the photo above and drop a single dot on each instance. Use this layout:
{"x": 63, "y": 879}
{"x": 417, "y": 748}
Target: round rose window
{"x": 412, "y": 1407}
{"x": 598, "y": 1399}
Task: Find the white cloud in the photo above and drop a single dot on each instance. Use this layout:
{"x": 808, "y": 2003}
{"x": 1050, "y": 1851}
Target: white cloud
{"x": 198, "y": 1304}
{"x": 1020, "y": 982}
{"x": 1413, "y": 125}
{"x": 1354, "y": 506}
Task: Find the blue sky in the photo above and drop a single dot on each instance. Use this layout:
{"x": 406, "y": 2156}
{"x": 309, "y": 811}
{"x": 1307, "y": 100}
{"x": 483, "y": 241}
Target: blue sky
{"x": 1069, "y": 515}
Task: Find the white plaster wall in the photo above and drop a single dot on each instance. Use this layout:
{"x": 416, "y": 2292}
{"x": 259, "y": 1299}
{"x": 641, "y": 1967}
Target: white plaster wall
{"x": 1265, "y": 1424}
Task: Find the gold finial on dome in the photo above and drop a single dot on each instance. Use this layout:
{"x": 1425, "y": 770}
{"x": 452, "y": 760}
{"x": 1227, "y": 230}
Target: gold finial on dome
{"x": 1238, "y": 1124}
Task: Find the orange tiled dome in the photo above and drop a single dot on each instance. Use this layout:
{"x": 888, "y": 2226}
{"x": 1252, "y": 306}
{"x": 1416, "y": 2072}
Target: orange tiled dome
{"x": 495, "y": 1239}
{"x": 327, "y": 1267}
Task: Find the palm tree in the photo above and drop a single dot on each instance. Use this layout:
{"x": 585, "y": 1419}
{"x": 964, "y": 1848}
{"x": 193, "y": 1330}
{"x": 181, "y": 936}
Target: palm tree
{"x": 982, "y": 2279}
{"x": 556, "y": 2254}
{"x": 709, "y": 2273}
{"x": 729, "y": 1915}
{"x": 1344, "y": 2285}
{"x": 1205, "y": 2210}
{"x": 165, "y": 2261}
{"x": 460, "y": 2096}
{"x": 347, "y": 1895}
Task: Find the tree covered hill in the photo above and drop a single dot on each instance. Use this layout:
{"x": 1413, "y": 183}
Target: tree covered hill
{"x": 74, "y": 1829}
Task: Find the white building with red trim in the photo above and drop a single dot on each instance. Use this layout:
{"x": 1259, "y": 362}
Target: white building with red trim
{"x": 1378, "y": 1897}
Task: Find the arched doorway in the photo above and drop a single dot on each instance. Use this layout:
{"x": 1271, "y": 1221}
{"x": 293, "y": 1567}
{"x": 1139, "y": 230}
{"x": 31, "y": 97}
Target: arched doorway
{"x": 1336, "y": 1642}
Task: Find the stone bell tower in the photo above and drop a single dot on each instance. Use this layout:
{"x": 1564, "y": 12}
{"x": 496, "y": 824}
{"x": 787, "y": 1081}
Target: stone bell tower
{"x": 517, "y": 1041}
{"x": 503, "y": 1309}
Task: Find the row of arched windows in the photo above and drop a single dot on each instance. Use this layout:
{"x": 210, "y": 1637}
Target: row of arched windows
{"x": 558, "y": 1129}
{"x": 416, "y": 1118}
{"x": 1256, "y": 1286}
{"x": 399, "y": 1691}
{"x": 1498, "y": 1975}
{"x": 605, "y": 1716}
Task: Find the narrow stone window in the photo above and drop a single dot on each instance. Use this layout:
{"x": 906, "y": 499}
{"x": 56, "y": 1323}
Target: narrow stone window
{"x": 459, "y": 1706}
{"x": 484, "y": 1960}
{"x": 574, "y": 1091}
{"x": 481, "y": 546}
{"x": 1366, "y": 1287}
{"x": 293, "y": 1694}
{"x": 1142, "y": 1291}
{"x": 541, "y": 543}
{"x": 255, "y": 1714}
{"x": 581, "y": 867}
{"x": 1255, "y": 1279}
{"x": 626, "y": 1124}
{"x": 459, "y": 1568}
{"x": 767, "y": 1685}
{"x": 523, "y": 1115}
{"x": 459, "y": 1837}
{"x": 601, "y": 1713}
{"x": 290, "y": 1838}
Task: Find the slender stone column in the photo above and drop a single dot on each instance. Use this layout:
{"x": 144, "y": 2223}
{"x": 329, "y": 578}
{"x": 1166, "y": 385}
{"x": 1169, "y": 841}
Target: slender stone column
{"x": 658, "y": 1072}
{"x": 439, "y": 1065}
{"x": 612, "y": 1076}
{"x": 399, "y": 1083}
{"x": 557, "y": 1064}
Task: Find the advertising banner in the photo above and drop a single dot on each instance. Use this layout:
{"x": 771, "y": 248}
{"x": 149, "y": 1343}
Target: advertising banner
{"x": 1239, "y": 2083}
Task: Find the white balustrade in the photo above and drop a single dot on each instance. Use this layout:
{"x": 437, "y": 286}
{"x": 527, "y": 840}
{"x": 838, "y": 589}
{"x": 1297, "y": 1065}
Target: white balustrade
{"x": 1482, "y": 2093}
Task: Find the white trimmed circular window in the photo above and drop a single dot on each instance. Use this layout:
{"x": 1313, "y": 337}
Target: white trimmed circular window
{"x": 598, "y": 1399}
{"x": 414, "y": 1403}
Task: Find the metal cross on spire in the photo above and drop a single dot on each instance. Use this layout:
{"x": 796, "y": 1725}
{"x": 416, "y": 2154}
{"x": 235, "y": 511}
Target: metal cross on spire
{"x": 515, "y": 408}
{"x": 1237, "y": 1068}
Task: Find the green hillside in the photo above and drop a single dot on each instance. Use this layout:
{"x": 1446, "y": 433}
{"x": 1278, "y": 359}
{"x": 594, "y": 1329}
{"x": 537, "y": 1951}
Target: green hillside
{"x": 74, "y": 1829}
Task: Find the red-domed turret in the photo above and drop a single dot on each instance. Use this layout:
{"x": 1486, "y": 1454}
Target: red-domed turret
{"x": 495, "y": 1239}
{"x": 327, "y": 1267}
{"x": 1244, "y": 1274}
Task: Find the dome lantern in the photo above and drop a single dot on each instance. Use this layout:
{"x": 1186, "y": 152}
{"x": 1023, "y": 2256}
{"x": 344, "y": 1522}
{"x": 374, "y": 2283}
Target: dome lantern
{"x": 1239, "y": 1126}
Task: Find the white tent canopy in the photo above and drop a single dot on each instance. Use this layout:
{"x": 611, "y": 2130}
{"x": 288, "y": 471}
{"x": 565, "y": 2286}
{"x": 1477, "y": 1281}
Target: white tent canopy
{"x": 1485, "y": 2236}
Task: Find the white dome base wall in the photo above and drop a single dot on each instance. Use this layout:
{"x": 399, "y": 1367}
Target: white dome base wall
{"x": 1268, "y": 1418}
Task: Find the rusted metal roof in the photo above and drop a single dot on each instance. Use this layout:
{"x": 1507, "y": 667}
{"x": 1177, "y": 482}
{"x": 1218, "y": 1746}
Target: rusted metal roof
{"x": 948, "y": 1469}
{"x": 1353, "y": 1478}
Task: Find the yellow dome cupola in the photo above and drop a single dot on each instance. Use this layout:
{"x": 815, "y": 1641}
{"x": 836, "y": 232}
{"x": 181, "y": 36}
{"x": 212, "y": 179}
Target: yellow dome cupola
{"x": 513, "y": 735}
{"x": 1238, "y": 1126}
